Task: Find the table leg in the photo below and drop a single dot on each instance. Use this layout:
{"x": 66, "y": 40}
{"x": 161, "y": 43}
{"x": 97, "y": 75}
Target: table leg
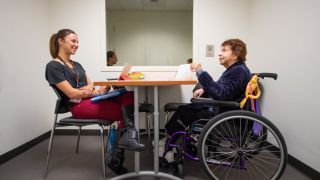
{"x": 156, "y": 131}
{"x": 156, "y": 172}
{"x": 136, "y": 123}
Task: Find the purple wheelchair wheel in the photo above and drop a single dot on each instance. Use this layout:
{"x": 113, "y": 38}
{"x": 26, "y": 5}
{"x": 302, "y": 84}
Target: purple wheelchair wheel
{"x": 230, "y": 147}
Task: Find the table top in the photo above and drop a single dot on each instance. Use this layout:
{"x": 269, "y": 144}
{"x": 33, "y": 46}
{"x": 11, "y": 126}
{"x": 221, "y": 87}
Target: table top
{"x": 151, "y": 82}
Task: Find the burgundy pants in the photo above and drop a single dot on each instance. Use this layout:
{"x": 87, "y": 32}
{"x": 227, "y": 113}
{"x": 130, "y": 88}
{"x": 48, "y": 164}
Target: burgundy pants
{"x": 109, "y": 109}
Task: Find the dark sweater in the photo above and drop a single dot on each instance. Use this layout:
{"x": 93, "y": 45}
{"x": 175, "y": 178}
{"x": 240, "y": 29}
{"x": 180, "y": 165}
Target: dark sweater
{"x": 231, "y": 85}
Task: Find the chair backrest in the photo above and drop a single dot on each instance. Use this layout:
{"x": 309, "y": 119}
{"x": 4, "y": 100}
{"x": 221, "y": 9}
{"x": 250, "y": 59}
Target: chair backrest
{"x": 253, "y": 92}
{"x": 61, "y": 106}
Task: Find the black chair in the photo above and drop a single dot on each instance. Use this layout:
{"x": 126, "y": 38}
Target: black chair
{"x": 148, "y": 109}
{"x": 171, "y": 107}
{"x": 61, "y": 108}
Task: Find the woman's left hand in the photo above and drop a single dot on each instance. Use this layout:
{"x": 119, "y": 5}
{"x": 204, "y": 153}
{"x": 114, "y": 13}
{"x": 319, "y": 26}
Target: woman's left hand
{"x": 198, "y": 93}
{"x": 87, "y": 90}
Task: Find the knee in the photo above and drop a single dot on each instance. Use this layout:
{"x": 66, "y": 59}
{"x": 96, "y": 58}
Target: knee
{"x": 127, "y": 98}
{"x": 129, "y": 95}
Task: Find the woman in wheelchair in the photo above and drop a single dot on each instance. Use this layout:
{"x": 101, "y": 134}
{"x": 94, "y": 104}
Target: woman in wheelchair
{"x": 230, "y": 139}
{"x": 69, "y": 78}
{"x": 230, "y": 86}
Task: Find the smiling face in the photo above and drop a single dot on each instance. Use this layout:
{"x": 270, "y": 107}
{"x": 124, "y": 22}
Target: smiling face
{"x": 69, "y": 44}
{"x": 226, "y": 56}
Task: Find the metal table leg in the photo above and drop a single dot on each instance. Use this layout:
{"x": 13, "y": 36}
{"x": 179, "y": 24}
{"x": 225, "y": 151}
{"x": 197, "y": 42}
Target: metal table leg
{"x": 156, "y": 131}
{"x": 136, "y": 122}
{"x": 156, "y": 172}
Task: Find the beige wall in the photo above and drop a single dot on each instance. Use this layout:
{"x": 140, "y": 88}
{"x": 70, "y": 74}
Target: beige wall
{"x": 284, "y": 38}
{"x": 25, "y": 102}
{"x": 87, "y": 19}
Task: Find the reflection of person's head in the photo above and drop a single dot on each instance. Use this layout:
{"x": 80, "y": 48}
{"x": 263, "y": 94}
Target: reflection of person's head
{"x": 232, "y": 50}
{"x": 189, "y": 61}
{"x": 111, "y": 58}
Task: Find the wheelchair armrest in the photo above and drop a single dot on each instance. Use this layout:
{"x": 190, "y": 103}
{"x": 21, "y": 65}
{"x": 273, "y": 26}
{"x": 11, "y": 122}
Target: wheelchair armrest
{"x": 231, "y": 104}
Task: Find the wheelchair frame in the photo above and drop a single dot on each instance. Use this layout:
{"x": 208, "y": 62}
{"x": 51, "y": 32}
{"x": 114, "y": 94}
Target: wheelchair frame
{"x": 242, "y": 155}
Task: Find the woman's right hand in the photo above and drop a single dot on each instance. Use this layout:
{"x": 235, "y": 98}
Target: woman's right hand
{"x": 104, "y": 89}
{"x": 195, "y": 66}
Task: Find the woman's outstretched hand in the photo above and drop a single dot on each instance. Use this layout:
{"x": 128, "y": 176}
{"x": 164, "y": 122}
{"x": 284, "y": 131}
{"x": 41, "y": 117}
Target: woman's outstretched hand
{"x": 195, "y": 66}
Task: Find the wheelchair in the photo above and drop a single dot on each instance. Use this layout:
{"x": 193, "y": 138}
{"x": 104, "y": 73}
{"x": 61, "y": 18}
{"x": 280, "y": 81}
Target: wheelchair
{"x": 235, "y": 144}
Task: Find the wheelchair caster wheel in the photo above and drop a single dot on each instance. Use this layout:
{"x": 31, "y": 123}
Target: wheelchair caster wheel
{"x": 176, "y": 169}
{"x": 180, "y": 171}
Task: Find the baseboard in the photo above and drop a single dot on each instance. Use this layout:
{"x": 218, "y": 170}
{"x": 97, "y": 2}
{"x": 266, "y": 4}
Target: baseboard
{"x": 65, "y": 132}
{"x": 303, "y": 168}
{"x": 299, "y": 165}
{"x": 88, "y": 132}
{"x": 24, "y": 147}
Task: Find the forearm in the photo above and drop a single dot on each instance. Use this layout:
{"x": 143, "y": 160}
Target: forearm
{"x": 218, "y": 92}
{"x": 77, "y": 94}
{"x": 81, "y": 94}
{"x": 84, "y": 92}
{"x": 74, "y": 93}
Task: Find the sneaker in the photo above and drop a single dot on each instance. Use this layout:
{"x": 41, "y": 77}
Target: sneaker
{"x": 162, "y": 144}
{"x": 170, "y": 155}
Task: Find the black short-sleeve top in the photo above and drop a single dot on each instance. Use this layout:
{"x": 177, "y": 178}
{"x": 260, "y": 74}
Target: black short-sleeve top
{"x": 57, "y": 72}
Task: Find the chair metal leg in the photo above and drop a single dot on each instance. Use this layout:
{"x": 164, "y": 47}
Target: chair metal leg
{"x": 50, "y": 148}
{"x": 108, "y": 140}
{"x": 148, "y": 126}
{"x": 167, "y": 118}
{"x": 149, "y": 129}
{"x": 78, "y": 140}
{"x": 103, "y": 147}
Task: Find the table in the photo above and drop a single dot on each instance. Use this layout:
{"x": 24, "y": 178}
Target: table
{"x": 155, "y": 83}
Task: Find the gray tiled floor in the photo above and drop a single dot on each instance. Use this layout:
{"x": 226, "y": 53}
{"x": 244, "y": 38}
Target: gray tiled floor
{"x": 66, "y": 165}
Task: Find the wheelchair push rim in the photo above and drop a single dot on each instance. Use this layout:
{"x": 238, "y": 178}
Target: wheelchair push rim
{"x": 229, "y": 149}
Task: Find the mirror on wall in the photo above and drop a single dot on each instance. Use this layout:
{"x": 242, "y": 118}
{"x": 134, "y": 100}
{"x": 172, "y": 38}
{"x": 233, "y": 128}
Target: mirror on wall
{"x": 150, "y": 32}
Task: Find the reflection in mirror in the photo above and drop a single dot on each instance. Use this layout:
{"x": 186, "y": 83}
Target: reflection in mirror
{"x": 150, "y": 32}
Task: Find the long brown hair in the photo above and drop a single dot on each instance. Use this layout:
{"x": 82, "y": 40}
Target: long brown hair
{"x": 53, "y": 44}
{"x": 238, "y": 48}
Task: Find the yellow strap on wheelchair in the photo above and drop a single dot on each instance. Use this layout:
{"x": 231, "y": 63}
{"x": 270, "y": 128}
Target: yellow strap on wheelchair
{"x": 252, "y": 90}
